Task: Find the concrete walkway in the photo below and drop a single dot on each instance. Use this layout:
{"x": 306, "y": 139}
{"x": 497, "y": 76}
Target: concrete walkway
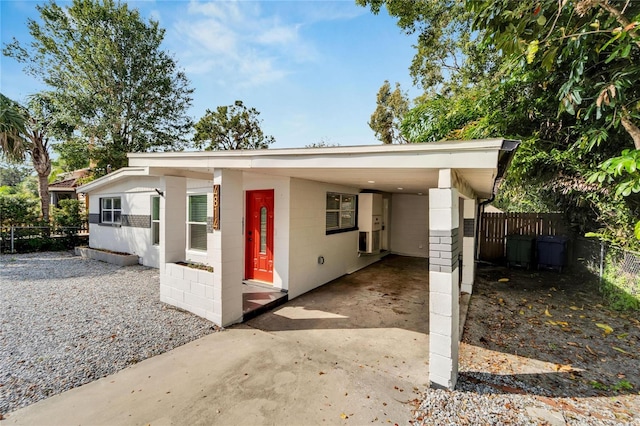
{"x": 352, "y": 352}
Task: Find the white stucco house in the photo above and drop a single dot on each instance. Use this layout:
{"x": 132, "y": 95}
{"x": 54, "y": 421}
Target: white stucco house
{"x": 299, "y": 218}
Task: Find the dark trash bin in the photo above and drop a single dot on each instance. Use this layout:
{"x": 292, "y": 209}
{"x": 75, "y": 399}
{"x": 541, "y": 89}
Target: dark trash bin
{"x": 552, "y": 252}
{"x": 520, "y": 250}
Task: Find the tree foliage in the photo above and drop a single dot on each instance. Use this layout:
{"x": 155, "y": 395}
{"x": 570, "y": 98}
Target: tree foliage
{"x": 559, "y": 75}
{"x": 592, "y": 47}
{"x": 231, "y": 127}
{"x": 111, "y": 78}
{"x": 13, "y": 174}
{"x": 447, "y": 52}
{"x": 73, "y": 154}
{"x": 387, "y": 117}
{"x": 322, "y": 143}
{"x": 26, "y": 130}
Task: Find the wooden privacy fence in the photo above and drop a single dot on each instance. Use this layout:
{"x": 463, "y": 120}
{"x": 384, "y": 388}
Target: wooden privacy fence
{"x": 494, "y": 227}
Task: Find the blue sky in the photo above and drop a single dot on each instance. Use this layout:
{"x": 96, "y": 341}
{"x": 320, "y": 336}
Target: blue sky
{"x": 312, "y": 68}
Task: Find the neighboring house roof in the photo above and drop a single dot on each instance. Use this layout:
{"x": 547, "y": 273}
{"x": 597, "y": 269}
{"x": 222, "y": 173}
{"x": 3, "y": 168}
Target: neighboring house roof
{"x": 68, "y": 185}
{"x": 407, "y": 168}
{"x": 69, "y": 181}
{"x": 492, "y": 209}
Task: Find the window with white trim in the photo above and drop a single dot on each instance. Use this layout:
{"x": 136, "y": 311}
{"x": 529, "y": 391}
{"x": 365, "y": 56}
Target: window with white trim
{"x": 341, "y": 212}
{"x": 155, "y": 220}
{"x": 197, "y": 222}
{"x": 111, "y": 210}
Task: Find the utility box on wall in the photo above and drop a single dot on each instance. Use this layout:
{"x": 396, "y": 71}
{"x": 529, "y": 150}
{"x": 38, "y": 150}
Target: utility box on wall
{"x": 369, "y": 222}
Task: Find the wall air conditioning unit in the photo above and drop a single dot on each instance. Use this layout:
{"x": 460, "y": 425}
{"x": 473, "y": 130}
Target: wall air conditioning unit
{"x": 369, "y": 222}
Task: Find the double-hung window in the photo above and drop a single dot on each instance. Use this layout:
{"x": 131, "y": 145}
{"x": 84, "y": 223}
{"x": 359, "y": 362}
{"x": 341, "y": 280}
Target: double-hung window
{"x": 111, "y": 210}
{"x": 155, "y": 220}
{"x": 341, "y": 212}
{"x": 197, "y": 222}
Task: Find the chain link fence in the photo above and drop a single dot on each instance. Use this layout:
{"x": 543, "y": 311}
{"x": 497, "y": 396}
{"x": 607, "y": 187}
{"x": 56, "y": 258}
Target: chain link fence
{"x": 618, "y": 270}
{"x": 23, "y": 239}
{"x": 596, "y": 254}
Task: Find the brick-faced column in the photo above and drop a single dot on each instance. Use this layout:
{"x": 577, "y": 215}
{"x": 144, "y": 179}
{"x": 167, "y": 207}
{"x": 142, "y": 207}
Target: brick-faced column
{"x": 469, "y": 245}
{"x": 444, "y": 218}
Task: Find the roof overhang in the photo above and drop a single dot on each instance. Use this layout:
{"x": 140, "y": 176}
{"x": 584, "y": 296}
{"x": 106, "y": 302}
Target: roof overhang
{"x": 410, "y": 168}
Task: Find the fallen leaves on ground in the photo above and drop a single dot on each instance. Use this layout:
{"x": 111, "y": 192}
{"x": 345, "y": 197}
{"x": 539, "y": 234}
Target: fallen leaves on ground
{"x": 605, "y": 327}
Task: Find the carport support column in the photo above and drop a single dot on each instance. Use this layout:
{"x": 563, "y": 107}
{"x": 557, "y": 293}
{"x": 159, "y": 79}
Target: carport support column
{"x": 468, "y": 246}
{"x": 173, "y": 235}
{"x": 226, "y": 255}
{"x": 444, "y": 218}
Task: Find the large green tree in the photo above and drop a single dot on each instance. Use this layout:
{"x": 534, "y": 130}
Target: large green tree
{"x": 391, "y": 106}
{"x": 550, "y": 73}
{"x": 26, "y": 131}
{"x": 448, "y": 55}
{"x": 111, "y": 77}
{"x": 591, "y": 49}
{"x": 231, "y": 127}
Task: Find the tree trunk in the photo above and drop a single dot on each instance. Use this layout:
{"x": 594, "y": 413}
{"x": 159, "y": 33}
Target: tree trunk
{"x": 632, "y": 129}
{"x": 43, "y": 190}
{"x": 42, "y": 164}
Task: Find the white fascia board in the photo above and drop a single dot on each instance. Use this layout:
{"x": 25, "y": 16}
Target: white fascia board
{"x": 423, "y": 160}
{"x": 113, "y": 177}
{"x": 459, "y": 154}
{"x": 360, "y": 149}
{"x": 200, "y": 161}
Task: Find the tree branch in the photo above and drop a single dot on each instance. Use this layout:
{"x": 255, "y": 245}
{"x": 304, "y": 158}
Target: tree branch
{"x": 622, "y": 20}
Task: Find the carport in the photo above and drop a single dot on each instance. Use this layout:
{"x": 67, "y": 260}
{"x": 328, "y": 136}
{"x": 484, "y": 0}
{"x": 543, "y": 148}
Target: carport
{"x": 305, "y": 202}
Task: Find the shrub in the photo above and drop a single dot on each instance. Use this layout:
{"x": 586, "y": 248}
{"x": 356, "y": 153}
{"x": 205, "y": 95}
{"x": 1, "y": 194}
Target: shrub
{"x": 68, "y": 215}
{"x": 18, "y": 210}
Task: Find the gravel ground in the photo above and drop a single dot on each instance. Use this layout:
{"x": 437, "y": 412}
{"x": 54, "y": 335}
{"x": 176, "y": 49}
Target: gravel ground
{"x": 67, "y": 321}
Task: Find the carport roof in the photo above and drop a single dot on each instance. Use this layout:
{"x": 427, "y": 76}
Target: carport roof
{"x": 410, "y": 168}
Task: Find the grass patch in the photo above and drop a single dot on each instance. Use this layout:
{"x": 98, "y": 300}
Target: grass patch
{"x": 620, "y": 289}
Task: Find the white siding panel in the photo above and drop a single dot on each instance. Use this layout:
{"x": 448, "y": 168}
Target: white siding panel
{"x": 136, "y": 196}
{"x": 410, "y": 225}
{"x": 308, "y": 239}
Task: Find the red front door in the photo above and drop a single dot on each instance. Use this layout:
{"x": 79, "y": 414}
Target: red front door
{"x": 259, "y": 236}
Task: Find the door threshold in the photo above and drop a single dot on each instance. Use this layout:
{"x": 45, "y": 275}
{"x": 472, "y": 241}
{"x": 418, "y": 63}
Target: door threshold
{"x": 263, "y": 284}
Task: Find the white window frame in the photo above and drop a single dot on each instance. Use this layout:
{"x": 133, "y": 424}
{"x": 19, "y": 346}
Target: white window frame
{"x": 112, "y": 209}
{"x": 155, "y": 221}
{"x": 190, "y": 223}
{"x": 341, "y": 226}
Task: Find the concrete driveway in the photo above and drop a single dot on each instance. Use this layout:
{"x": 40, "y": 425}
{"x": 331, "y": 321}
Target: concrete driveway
{"x": 354, "y": 351}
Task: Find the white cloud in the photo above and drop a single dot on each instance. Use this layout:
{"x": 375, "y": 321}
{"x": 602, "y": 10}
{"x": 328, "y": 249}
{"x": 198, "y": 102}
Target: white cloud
{"x": 279, "y": 35}
{"x": 239, "y": 43}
